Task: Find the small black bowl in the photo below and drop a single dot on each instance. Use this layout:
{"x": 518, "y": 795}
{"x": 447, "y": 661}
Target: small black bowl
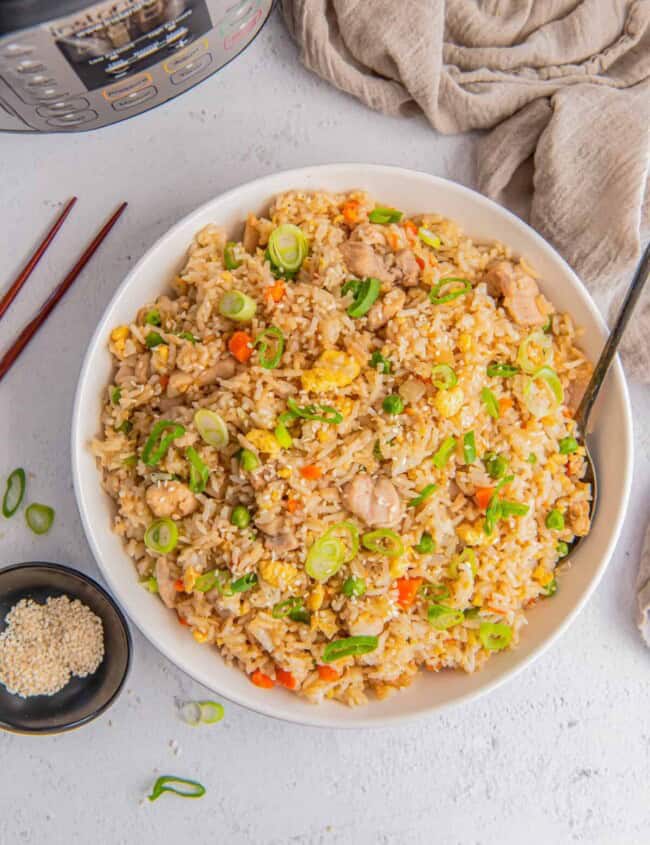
{"x": 82, "y": 699}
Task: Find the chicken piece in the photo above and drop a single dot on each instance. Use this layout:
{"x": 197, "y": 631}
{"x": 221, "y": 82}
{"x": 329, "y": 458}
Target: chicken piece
{"x": 408, "y": 271}
{"x": 521, "y": 296}
{"x": 251, "y": 234}
{"x": 171, "y": 499}
{"x": 371, "y": 617}
{"x": 578, "y": 518}
{"x": 225, "y": 368}
{"x": 124, "y": 375}
{"x": 166, "y": 581}
{"x": 385, "y": 309}
{"x": 375, "y": 502}
{"x": 179, "y": 383}
{"x": 278, "y": 537}
{"x": 373, "y": 234}
{"x": 574, "y": 392}
{"x": 362, "y": 261}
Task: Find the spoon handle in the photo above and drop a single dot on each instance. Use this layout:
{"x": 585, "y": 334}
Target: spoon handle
{"x": 595, "y": 383}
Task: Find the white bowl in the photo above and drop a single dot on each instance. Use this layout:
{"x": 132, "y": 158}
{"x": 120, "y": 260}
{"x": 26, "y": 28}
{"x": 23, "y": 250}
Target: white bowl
{"x": 412, "y": 192}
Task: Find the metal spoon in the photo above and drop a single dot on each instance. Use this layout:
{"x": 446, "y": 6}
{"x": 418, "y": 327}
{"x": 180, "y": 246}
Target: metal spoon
{"x": 600, "y": 371}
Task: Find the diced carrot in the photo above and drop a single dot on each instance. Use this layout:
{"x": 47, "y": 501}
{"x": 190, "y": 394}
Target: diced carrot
{"x": 394, "y": 240}
{"x": 285, "y": 678}
{"x": 262, "y": 680}
{"x": 293, "y": 505}
{"x": 182, "y": 621}
{"x": 275, "y": 292}
{"x": 179, "y": 586}
{"x": 241, "y": 346}
{"x": 311, "y": 472}
{"x": 327, "y": 673}
{"x": 410, "y": 227}
{"x": 483, "y": 496}
{"x": 350, "y": 210}
{"x": 568, "y": 413}
{"x": 164, "y": 381}
{"x": 407, "y": 589}
{"x": 495, "y": 610}
{"x": 420, "y": 262}
{"x": 505, "y": 402}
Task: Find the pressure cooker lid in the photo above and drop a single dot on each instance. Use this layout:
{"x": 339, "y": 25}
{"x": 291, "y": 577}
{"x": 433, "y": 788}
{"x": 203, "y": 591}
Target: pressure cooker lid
{"x": 20, "y": 14}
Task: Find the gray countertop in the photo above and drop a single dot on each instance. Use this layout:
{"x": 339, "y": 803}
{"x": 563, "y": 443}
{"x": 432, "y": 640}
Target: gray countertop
{"x": 561, "y": 754}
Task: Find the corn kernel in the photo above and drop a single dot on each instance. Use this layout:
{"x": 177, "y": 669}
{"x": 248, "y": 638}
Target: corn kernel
{"x": 465, "y": 342}
{"x": 284, "y": 472}
{"x": 477, "y": 601}
{"x": 542, "y": 575}
{"x": 323, "y": 435}
{"x": 199, "y": 636}
{"x": 315, "y": 600}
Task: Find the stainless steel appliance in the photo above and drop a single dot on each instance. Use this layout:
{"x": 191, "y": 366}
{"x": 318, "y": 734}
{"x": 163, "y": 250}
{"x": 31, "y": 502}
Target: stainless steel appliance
{"x": 72, "y": 65}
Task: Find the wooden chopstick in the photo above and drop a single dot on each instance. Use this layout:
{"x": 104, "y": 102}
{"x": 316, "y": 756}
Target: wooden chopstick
{"x": 50, "y": 303}
{"x": 28, "y": 269}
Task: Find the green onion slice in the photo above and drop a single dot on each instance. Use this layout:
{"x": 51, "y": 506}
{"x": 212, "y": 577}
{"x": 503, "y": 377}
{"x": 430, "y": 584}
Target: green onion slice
{"x": 212, "y": 428}
{"x": 495, "y": 636}
{"x": 568, "y": 445}
{"x": 469, "y": 447}
{"x": 365, "y": 294}
{"x": 150, "y": 584}
{"x": 443, "y": 617}
{"x": 248, "y": 460}
{"x": 513, "y": 509}
{"x": 320, "y": 413}
{"x": 245, "y": 583}
{"x": 179, "y": 786}
{"x": 541, "y": 402}
{"x": 199, "y": 472}
{"x": 14, "y": 492}
{"x": 491, "y": 405}
{"x": 492, "y": 514}
{"x": 434, "y": 592}
{"x": 353, "y": 587}
{"x": 348, "y": 534}
{"x": 284, "y": 608}
{"x": 288, "y": 247}
{"x": 444, "y": 377}
{"x": 381, "y": 364}
{"x": 153, "y": 318}
{"x": 497, "y": 369}
{"x": 154, "y": 339}
{"x": 539, "y": 341}
{"x": 208, "y": 581}
{"x": 496, "y": 465}
{"x": 161, "y": 536}
{"x": 124, "y": 427}
{"x": 347, "y": 647}
{"x": 325, "y": 557}
{"x": 468, "y": 555}
{"x": 555, "y": 520}
{"x": 383, "y": 214}
{"x": 426, "y": 545}
{"x": 443, "y": 454}
{"x": 423, "y": 495}
{"x": 116, "y": 395}
{"x": 157, "y": 444}
{"x": 436, "y": 295}
{"x": 281, "y": 434}
{"x": 39, "y": 518}
{"x": 188, "y": 336}
{"x": 237, "y": 306}
{"x": 383, "y": 541}
{"x": 273, "y": 338}
{"x": 427, "y": 237}
{"x": 229, "y": 259}
{"x": 206, "y": 712}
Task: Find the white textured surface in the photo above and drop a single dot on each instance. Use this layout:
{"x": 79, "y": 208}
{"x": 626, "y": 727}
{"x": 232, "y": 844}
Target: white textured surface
{"x": 562, "y": 754}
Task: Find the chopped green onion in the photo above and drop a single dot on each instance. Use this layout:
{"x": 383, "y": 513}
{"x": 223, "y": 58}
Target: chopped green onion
{"x": 212, "y": 428}
{"x": 513, "y": 509}
{"x": 562, "y": 549}
{"x": 568, "y": 445}
{"x": 248, "y": 460}
{"x": 188, "y": 788}
{"x": 495, "y": 636}
{"x": 538, "y": 339}
{"x": 469, "y": 447}
{"x": 489, "y": 400}
{"x": 471, "y": 612}
{"x": 281, "y": 434}
{"x": 199, "y": 472}
{"x": 504, "y": 482}
{"x": 497, "y": 369}
{"x": 116, "y": 395}
{"x": 534, "y": 400}
{"x": 551, "y": 588}
{"x": 274, "y": 338}
{"x": 211, "y": 712}
{"x": 443, "y": 617}
{"x": 209, "y": 580}
{"x": 393, "y": 404}
{"x": 348, "y": 534}
{"x": 383, "y": 541}
{"x": 438, "y": 298}
{"x": 353, "y": 587}
{"x": 320, "y": 413}
{"x": 130, "y": 461}
{"x": 381, "y": 364}
{"x": 466, "y": 556}
{"x": 426, "y": 545}
{"x": 532, "y": 458}
{"x": 153, "y": 318}
{"x": 347, "y": 647}
{"x": 444, "y": 377}
{"x": 434, "y": 592}
{"x": 496, "y": 465}
{"x": 188, "y": 336}
{"x": 443, "y": 454}
{"x": 376, "y": 451}
{"x": 245, "y": 583}
{"x": 154, "y": 339}
{"x": 39, "y": 518}
{"x": 325, "y": 557}
{"x": 427, "y": 237}
{"x": 237, "y": 306}
{"x": 124, "y": 427}
{"x": 240, "y": 516}
{"x": 161, "y": 536}
{"x": 365, "y": 295}
{"x": 383, "y": 214}
{"x": 288, "y": 247}
{"x": 492, "y": 514}
{"x": 229, "y": 260}
{"x": 14, "y": 492}
{"x": 422, "y": 497}
{"x": 555, "y": 520}
{"x": 150, "y": 584}
{"x": 284, "y": 608}
{"x": 158, "y": 442}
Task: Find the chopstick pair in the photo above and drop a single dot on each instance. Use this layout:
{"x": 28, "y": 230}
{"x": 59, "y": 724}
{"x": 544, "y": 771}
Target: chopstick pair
{"x": 53, "y": 299}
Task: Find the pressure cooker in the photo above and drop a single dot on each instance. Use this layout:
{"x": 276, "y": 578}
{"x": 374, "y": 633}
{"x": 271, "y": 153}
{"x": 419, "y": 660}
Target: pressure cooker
{"x": 70, "y": 65}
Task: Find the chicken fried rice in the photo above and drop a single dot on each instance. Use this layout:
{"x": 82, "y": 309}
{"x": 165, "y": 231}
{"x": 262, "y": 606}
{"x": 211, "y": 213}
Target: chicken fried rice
{"x": 343, "y": 449}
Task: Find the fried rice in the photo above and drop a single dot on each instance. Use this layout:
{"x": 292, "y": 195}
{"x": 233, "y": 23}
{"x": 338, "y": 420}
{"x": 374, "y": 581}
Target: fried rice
{"x": 382, "y": 504}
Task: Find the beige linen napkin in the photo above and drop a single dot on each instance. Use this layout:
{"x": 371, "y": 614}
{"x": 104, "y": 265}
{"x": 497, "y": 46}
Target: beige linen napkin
{"x": 564, "y": 81}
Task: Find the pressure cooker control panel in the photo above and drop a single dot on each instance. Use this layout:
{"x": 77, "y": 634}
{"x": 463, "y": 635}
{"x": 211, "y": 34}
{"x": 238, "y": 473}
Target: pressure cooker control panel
{"x": 116, "y": 59}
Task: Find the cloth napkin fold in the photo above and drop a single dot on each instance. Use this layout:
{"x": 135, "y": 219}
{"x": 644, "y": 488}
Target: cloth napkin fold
{"x": 564, "y": 81}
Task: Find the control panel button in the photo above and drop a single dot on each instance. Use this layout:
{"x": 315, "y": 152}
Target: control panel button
{"x": 72, "y": 118}
{"x": 119, "y": 90}
{"x": 57, "y": 107}
{"x": 185, "y": 56}
{"x": 30, "y": 66}
{"x": 15, "y": 50}
{"x": 39, "y": 80}
{"x": 191, "y": 69}
{"x": 48, "y": 92}
{"x": 135, "y": 98}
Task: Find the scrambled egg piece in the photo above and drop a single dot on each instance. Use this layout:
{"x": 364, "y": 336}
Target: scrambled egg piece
{"x": 118, "y": 338}
{"x": 449, "y": 402}
{"x": 189, "y": 579}
{"x": 316, "y": 597}
{"x": 264, "y": 441}
{"x": 542, "y": 575}
{"x": 278, "y": 574}
{"x": 333, "y": 369}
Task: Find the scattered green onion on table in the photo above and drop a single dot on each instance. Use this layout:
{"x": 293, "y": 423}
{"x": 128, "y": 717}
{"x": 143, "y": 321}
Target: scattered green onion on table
{"x": 202, "y": 712}
{"x": 14, "y": 492}
{"x": 39, "y": 517}
{"x": 177, "y": 786}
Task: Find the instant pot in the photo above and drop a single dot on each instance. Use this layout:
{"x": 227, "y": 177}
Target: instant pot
{"x": 71, "y": 65}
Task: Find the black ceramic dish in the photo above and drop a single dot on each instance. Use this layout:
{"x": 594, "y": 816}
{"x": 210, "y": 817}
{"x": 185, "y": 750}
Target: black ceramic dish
{"x": 82, "y": 699}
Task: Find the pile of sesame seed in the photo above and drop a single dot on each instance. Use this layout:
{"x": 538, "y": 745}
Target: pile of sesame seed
{"x": 44, "y": 645}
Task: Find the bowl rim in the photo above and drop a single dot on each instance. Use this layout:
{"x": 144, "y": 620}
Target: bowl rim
{"x": 312, "y": 718}
{"x": 75, "y": 573}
